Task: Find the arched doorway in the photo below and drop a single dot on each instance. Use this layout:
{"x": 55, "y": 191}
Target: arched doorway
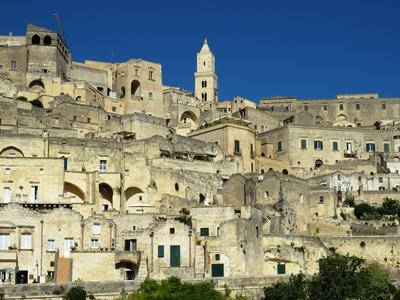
{"x": 135, "y": 89}
{"x": 128, "y": 269}
{"x": 188, "y": 117}
{"x": 106, "y": 193}
{"x": 285, "y": 172}
{"x": 318, "y": 163}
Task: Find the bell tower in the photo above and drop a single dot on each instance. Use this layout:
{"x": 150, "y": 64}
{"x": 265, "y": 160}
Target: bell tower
{"x": 205, "y": 79}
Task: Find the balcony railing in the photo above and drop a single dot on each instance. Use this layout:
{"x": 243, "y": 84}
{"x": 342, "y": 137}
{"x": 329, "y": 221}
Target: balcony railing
{"x": 350, "y": 153}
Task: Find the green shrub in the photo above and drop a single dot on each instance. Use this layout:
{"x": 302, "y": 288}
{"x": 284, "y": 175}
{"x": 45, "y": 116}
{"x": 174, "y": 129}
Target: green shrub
{"x": 76, "y": 293}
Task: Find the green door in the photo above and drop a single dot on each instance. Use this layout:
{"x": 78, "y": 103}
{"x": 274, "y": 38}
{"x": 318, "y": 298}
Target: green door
{"x": 217, "y": 270}
{"x": 175, "y": 256}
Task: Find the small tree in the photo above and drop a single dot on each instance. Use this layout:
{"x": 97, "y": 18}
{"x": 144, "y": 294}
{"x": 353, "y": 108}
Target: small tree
{"x": 363, "y": 209}
{"x": 76, "y": 293}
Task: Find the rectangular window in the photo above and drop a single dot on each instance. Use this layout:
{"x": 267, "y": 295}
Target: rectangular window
{"x": 340, "y": 106}
{"x": 204, "y": 231}
{"x": 113, "y": 109}
{"x": 279, "y": 146}
{"x": 7, "y": 195}
{"x": 65, "y": 163}
{"x": 335, "y": 146}
{"x": 103, "y": 165}
{"x": 96, "y": 228}
{"x": 13, "y": 65}
{"x": 306, "y": 107}
{"x": 150, "y": 96}
{"x": 281, "y": 269}
{"x": 160, "y": 251}
{"x": 257, "y": 231}
{"x": 237, "y": 147}
{"x": 88, "y": 120}
{"x": 318, "y": 145}
{"x": 172, "y": 230}
{"x": 303, "y": 144}
{"x": 325, "y": 107}
{"x": 370, "y": 147}
{"x": 386, "y": 147}
{"x": 51, "y": 245}
{"x": 94, "y": 243}
{"x": 321, "y": 199}
{"x": 34, "y": 193}
{"x": 358, "y": 106}
{"x": 251, "y": 150}
{"x": 5, "y": 241}
{"x": 130, "y": 245}
{"x": 150, "y": 75}
{"x": 383, "y": 105}
{"x": 26, "y": 241}
{"x": 217, "y": 257}
{"x": 380, "y": 179}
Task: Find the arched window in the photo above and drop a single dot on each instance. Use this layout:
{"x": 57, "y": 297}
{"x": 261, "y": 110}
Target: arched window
{"x": 318, "y": 163}
{"x": 35, "y": 40}
{"x": 47, "y": 40}
{"x": 177, "y": 187}
{"x": 135, "y": 88}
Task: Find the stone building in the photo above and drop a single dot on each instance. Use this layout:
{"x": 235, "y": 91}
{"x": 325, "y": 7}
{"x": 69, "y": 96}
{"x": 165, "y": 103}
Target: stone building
{"x": 106, "y": 174}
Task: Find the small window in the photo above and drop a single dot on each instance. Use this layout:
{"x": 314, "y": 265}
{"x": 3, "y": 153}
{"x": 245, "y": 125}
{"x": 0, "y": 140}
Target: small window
{"x": 104, "y": 207}
{"x": 75, "y": 118}
{"x": 257, "y": 231}
{"x": 321, "y": 199}
{"x": 281, "y": 269}
{"x": 325, "y": 107}
{"x": 26, "y": 241}
{"x": 383, "y": 105}
{"x": 113, "y": 109}
{"x": 204, "y": 231}
{"x": 160, "y": 252}
{"x": 380, "y": 179}
{"x": 370, "y": 147}
{"x": 306, "y": 107}
{"x": 94, "y": 243}
{"x": 176, "y": 187}
{"x": 172, "y": 230}
{"x": 386, "y": 147}
{"x": 358, "y": 106}
{"x": 335, "y": 146}
{"x": 44, "y": 71}
{"x": 88, "y": 120}
{"x": 303, "y": 144}
{"x": 7, "y": 171}
{"x": 318, "y": 145}
{"x": 341, "y": 106}
{"x": 150, "y": 96}
{"x": 150, "y": 75}
{"x": 217, "y": 257}
{"x": 280, "y": 146}
{"x": 13, "y": 65}
{"x": 96, "y": 228}
{"x": 102, "y": 165}
{"x": 51, "y": 245}
{"x": 237, "y": 147}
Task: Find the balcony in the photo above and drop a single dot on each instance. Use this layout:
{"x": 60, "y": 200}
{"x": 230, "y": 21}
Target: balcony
{"x": 350, "y": 154}
{"x": 133, "y": 256}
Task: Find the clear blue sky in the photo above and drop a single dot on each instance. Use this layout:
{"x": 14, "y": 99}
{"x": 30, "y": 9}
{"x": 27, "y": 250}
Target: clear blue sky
{"x": 303, "y": 48}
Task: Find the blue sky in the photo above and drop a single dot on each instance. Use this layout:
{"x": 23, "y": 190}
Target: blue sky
{"x": 303, "y": 48}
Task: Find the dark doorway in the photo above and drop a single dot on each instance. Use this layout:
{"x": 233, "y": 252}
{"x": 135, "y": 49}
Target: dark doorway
{"x": 217, "y": 270}
{"x": 21, "y": 277}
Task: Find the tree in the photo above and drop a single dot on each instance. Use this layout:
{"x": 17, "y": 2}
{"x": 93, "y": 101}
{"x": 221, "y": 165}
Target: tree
{"x": 360, "y": 210}
{"x": 173, "y": 289}
{"x": 76, "y": 293}
{"x": 339, "y": 278}
{"x": 391, "y": 208}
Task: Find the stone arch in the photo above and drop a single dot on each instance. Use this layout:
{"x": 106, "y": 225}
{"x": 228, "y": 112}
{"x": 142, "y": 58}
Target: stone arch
{"x": 37, "y": 83}
{"x": 188, "y": 117}
{"x": 341, "y": 118}
{"x": 47, "y": 40}
{"x": 11, "y": 151}
{"x": 129, "y": 269}
{"x": 133, "y": 194}
{"x": 36, "y": 40}
{"x": 135, "y": 88}
{"x": 106, "y": 192}
{"x": 318, "y": 163}
{"x": 70, "y": 188}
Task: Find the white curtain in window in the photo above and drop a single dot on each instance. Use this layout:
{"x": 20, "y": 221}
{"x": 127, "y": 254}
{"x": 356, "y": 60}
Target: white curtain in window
{"x": 7, "y": 195}
{"x": 4, "y": 241}
{"x": 26, "y": 241}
